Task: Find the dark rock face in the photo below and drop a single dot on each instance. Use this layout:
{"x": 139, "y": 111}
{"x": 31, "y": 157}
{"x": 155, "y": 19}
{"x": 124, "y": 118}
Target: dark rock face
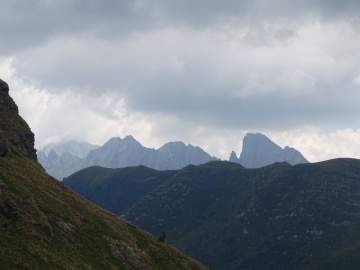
{"x": 4, "y": 87}
{"x": 9, "y": 209}
{"x": 14, "y": 131}
{"x": 3, "y": 149}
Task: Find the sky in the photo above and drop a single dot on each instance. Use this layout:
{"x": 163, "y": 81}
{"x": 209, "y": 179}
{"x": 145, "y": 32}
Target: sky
{"x": 201, "y": 72}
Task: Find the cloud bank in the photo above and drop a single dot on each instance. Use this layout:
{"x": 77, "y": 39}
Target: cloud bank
{"x": 204, "y": 73}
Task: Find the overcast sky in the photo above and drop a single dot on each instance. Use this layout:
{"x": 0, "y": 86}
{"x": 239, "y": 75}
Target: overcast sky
{"x": 203, "y": 72}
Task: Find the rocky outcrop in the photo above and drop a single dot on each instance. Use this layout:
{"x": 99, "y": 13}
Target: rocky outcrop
{"x": 15, "y": 134}
{"x": 4, "y": 87}
{"x": 9, "y": 209}
{"x": 233, "y": 157}
{"x": 258, "y": 151}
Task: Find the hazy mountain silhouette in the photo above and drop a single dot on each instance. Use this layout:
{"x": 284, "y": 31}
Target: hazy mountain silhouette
{"x": 119, "y": 153}
{"x": 258, "y": 151}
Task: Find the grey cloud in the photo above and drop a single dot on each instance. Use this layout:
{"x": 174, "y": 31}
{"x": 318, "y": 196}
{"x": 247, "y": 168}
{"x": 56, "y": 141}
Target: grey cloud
{"x": 179, "y": 58}
{"x": 267, "y": 111}
{"x": 252, "y": 12}
{"x": 25, "y": 24}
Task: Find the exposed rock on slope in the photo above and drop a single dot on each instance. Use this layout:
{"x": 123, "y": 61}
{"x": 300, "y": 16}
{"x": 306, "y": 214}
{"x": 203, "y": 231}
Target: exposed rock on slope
{"x": 258, "y": 151}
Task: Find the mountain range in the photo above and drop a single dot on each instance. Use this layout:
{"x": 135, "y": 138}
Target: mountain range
{"x": 118, "y": 153}
{"x": 278, "y": 216}
{"x": 64, "y": 159}
{"x": 45, "y": 225}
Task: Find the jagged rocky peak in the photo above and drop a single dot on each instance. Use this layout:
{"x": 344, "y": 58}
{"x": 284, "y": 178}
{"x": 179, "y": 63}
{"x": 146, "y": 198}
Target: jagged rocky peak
{"x": 172, "y": 146}
{"x": 15, "y": 134}
{"x": 130, "y": 140}
{"x": 233, "y": 157}
{"x": 258, "y": 151}
{"x": 117, "y": 141}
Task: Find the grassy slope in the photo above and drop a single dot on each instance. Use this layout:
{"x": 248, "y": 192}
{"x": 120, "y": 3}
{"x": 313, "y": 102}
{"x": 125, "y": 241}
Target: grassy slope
{"x": 116, "y": 189}
{"x": 276, "y": 217}
{"x": 50, "y": 227}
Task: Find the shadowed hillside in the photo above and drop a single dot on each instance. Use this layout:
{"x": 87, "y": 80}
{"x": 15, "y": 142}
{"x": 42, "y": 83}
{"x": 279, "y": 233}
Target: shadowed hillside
{"x": 280, "y": 216}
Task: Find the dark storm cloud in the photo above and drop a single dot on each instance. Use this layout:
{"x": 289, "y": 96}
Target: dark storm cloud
{"x": 26, "y": 23}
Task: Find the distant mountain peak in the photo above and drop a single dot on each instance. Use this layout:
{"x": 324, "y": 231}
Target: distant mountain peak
{"x": 113, "y": 140}
{"x": 129, "y": 138}
{"x": 173, "y": 145}
{"x": 119, "y": 153}
{"x": 233, "y": 157}
{"x": 258, "y": 151}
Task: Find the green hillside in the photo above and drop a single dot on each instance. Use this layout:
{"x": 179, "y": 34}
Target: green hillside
{"x": 45, "y": 225}
{"x": 116, "y": 189}
{"x": 277, "y": 217}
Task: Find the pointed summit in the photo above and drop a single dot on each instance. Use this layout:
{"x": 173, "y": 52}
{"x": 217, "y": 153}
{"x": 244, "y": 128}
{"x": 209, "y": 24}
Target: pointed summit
{"x": 258, "y": 151}
{"x": 233, "y": 157}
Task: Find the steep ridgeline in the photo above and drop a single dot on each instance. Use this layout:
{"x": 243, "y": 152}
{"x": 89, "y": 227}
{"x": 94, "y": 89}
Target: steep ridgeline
{"x": 45, "y": 225}
{"x": 258, "y": 151}
{"x": 119, "y": 153}
{"x": 276, "y": 217}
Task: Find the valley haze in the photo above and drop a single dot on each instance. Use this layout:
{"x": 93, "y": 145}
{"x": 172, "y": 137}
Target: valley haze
{"x": 201, "y": 73}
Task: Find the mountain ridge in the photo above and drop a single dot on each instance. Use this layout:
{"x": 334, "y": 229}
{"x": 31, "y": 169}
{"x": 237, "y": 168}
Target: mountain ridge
{"x": 119, "y": 153}
{"x": 279, "y": 216}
